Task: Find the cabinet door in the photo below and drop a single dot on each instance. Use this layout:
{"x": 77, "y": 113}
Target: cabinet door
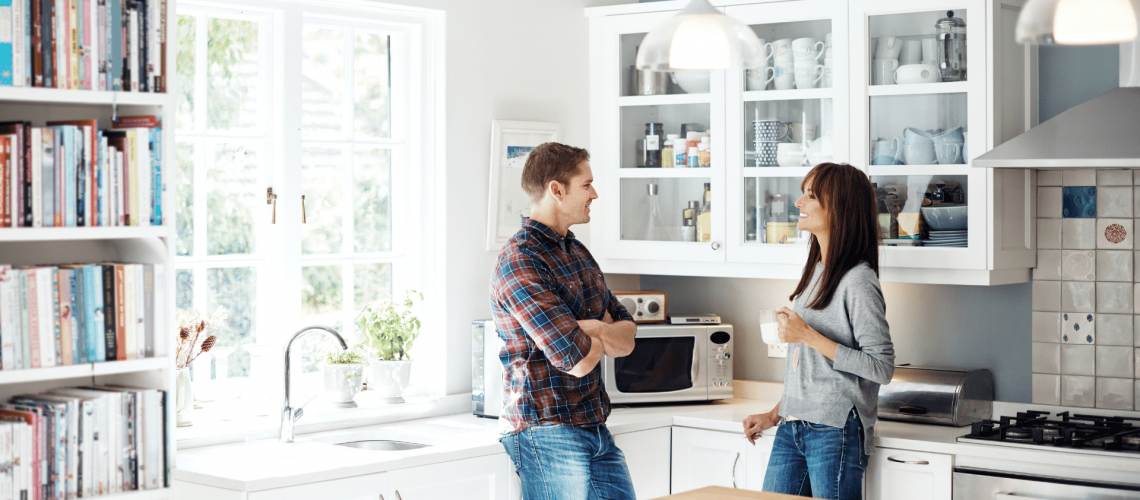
{"x": 708, "y": 458}
{"x": 757, "y": 461}
{"x": 481, "y": 478}
{"x": 367, "y": 487}
{"x": 909, "y": 475}
{"x": 647, "y": 455}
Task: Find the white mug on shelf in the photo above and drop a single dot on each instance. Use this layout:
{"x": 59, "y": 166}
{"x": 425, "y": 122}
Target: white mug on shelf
{"x": 758, "y": 79}
{"x": 889, "y": 47}
{"x": 808, "y": 73}
{"x": 807, "y": 48}
{"x": 785, "y": 75}
{"x": 827, "y": 40}
{"x": 828, "y": 79}
{"x": 911, "y": 52}
{"x": 884, "y": 72}
{"x": 782, "y": 49}
{"x": 930, "y": 51}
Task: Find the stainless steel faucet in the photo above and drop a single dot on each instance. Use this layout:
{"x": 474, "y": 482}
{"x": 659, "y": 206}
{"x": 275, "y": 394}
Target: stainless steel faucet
{"x": 288, "y": 415}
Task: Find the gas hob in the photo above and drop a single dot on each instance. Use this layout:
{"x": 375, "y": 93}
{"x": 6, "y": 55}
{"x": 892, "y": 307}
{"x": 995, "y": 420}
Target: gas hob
{"x": 1096, "y": 434}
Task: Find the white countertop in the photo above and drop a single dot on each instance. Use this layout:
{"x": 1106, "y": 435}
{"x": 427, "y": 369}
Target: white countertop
{"x": 265, "y": 464}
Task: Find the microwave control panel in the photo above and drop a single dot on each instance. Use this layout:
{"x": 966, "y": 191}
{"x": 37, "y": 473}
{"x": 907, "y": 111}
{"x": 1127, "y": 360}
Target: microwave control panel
{"x": 720, "y": 362}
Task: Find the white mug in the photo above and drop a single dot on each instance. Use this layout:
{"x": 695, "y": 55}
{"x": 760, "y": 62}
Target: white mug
{"x": 757, "y": 79}
{"x": 808, "y": 74}
{"x": 919, "y": 154}
{"x": 827, "y": 40}
{"x": 770, "y": 326}
{"x": 785, "y": 75}
{"x": 884, "y": 72}
{"x": 889, "y": 48}
{"x": 803, "y": 132}
{"x": 828, "y": 79}
{"x": 807, "y": 48}
{"x": 911, "y": 52}
{"x": 767, "y": 49}
{"x": 782, "y": 49}
{"x": 930, "y": 51}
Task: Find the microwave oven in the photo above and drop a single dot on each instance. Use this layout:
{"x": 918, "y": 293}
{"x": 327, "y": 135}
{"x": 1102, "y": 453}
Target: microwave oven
{"x": 669, "y": 363}
{"x": 672, "y": 363}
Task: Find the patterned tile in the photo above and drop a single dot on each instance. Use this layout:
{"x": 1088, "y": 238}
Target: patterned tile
{"x": 1114, "y": 393}
{"x": 1078, "y": 202}
{"x": 1078, "y": 328}
{"x": 1047, "y": 357}
{"x": 1048, "y": 234}
{"x": 1114, "y": 329}
{"x": 1049, "y": 265}
{"x": 1114, "y": 177}
{"x": 1113, "y": 361}
{"x": 1114, "y": 201}
{"x": 1078, "y": 360}
{"x": 1114, "y": 234}
{"x": 1047, "y": 296}
{"x": 1048, "y": 177}
{"x": 1049, "y": 202}
{"x": 1078, "y": 265}
{"x": 1114, "y": 297}
{"x": 1078, "y": 391}
{"x": 1114, "y": 265}
{"x": 1078, "y": 177}
{"x": 1047, "y": 389}
{"x": 1078, "y": 296}
{"x": 1078, "y": 234}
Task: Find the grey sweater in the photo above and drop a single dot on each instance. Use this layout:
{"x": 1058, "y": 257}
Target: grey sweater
{"x": 823, "y": 392}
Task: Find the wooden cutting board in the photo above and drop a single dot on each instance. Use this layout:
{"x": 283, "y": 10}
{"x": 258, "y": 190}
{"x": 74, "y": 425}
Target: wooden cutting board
{"x": 722, "y": 493}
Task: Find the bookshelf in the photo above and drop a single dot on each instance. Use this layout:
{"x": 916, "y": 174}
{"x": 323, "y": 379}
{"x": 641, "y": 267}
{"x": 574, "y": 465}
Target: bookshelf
{"x": 134, "y": 244}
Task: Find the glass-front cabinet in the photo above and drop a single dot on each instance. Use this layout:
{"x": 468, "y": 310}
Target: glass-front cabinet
{"x": 699, "y": 173}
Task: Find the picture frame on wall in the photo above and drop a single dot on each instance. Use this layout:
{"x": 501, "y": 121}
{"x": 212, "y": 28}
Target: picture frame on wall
{"x": 507, "y": 204}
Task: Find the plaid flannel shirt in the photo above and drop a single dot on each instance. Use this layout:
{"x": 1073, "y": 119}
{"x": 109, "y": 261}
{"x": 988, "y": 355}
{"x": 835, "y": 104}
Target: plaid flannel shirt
{"x": 542, "y": 285}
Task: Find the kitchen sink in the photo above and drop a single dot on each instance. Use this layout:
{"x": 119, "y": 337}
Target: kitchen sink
{"x": 383, "y": 445}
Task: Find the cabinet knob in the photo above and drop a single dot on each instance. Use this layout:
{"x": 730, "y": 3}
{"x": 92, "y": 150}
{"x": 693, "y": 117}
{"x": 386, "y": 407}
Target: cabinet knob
{"x": 716, "y": 245}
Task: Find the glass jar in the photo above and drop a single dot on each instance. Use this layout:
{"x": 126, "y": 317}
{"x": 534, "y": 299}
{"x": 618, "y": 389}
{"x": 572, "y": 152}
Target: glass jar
{"x": 654, "y": 142}
{"x": 951, "y": 47}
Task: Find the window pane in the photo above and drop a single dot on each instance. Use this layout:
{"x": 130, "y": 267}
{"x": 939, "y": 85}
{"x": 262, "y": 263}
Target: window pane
{"x": 233, "y": 75}
{"x": 320, "y": 305}
{"x": 321, "y": 180}
{"x": 184, "y": 290}
{"x": 372, "y": 86}
{"x": 322, "y": 83}
{"x": 372, "y": 282}
{"x": 372, "y": 181}
{"x": 184, "y": 205}
{"x": 231, "y": 184}
{"x": 233, "y": 289}
{"x": 184, "y": 68}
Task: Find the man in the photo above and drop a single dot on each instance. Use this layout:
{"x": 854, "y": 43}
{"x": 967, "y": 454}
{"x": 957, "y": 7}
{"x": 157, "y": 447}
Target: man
{"x": 557, "y": 317}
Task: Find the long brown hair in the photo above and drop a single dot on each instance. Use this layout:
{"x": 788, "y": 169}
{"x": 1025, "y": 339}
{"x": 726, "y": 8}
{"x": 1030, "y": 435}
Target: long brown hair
{"x": 846, "y": 195}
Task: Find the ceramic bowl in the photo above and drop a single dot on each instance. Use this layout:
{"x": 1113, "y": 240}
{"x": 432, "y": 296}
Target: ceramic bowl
{"x": 950, "y": 136}
{"x": 693, "y": 82}
{"x": 917, "y": 73}
{"x": 913, "y": 135}
{"x": 790, "y": 154}
{"x": 947, "y": 218}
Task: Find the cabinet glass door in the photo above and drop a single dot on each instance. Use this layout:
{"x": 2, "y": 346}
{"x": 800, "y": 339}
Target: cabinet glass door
{"x": 919, "y": 117}
{"x": 792, "y": 115}
{"x": 664, "y": 173}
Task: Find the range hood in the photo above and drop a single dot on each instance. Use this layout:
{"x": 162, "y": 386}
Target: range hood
{"x": 1101, "y": 133}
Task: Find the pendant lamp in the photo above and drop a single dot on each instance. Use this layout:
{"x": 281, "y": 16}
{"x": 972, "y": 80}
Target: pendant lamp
{"x": 1076, "y": 22}
{"x": 699, "y": 37}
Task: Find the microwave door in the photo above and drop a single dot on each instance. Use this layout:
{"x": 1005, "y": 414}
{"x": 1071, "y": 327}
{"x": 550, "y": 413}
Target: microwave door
{"x": 667, "y": 364}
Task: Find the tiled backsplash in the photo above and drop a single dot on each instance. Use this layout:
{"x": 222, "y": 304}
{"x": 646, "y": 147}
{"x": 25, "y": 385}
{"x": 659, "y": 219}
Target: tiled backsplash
{"x": 1086, "y": 289}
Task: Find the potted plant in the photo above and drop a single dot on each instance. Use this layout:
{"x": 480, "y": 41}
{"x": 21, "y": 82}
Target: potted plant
{"x": 389, "y": 328}
{"x": 344, "y": 372}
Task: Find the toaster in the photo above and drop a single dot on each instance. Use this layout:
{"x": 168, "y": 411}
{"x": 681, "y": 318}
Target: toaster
{"x": 937, "y": 396}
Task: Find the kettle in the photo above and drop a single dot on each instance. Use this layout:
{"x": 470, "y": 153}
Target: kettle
{"x": 951, "y": 47}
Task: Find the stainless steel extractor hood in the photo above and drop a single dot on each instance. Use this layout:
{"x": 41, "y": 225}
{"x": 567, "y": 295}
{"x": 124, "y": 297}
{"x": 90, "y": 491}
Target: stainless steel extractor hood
{"x": 1101, "y": 133}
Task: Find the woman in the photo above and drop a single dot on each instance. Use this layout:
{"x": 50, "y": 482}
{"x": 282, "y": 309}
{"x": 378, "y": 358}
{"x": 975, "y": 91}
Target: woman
{"x": 839, "y": 345}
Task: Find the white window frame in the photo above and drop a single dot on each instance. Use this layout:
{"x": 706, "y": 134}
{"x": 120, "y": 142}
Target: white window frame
{"x": 417, "y": 44}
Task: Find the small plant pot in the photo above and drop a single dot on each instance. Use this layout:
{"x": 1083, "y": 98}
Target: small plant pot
{"x": 183, "y": 398}
{"x": 390, "y": 378}
{"x": 342, "y": 383}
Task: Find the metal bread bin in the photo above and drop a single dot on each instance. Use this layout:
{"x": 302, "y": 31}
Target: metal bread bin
{"x": 937, "y": 396}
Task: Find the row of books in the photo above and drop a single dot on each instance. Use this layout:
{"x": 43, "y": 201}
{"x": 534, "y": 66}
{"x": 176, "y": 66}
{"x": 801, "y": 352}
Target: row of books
{"x": 84, "y": 44}
{"x": 83, "y": 442}
{"x": 73, "y": 314}
{"x": 73, "y": 174}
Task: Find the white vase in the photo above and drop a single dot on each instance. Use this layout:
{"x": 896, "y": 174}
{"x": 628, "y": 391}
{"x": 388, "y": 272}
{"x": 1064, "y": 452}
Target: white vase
{"x": 390, "y": 378}
{"x": 184, "y": 397}
{"x": 342, "y": 383}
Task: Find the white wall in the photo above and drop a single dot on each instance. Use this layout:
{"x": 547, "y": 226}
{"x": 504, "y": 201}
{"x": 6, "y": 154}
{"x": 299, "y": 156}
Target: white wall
{"x": 508, "y": 60}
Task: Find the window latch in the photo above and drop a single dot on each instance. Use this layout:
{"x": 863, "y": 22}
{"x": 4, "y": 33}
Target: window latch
{"x": 302, "y": 209}
{"x": 271, "y": 199}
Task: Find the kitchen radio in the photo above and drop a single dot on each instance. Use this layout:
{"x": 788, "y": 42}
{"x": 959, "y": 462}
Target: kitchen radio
{"x": 645, "y": 306}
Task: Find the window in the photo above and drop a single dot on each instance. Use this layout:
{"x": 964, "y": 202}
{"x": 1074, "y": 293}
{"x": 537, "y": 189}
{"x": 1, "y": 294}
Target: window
{"x": 314, "y": 103}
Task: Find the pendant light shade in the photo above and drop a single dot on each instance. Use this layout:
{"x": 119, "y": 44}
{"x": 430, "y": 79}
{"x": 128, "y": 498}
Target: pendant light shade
{"x": 1076, "y": 22}
{"x": 699, "y": 37}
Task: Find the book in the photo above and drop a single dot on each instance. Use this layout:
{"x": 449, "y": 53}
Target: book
{"x": 23, "y": 169}
{"x": 85, "y": 167}
{"x": 57, "y": 318}
{"x": 71, "y": 438}
{"x": 141, "y": 314}
{"x": 79, "y": 316}
{"x": 9, "y": 318}
{"x": 43, "y": 198}
{"x": 48, "y": 341}
{"x": 15, "y": 23}
{"x": 116, "y": 42}
{"x": 110, "y": 315}
{"x": 122, "y": 317}
{"x": 155, "y": 311}
{"x": 65, "y": 279}
{"x": 32, "y": 295}
{"x": 6, "y": 61}
{"x": 5, "y": 186}
{"x": 37, "y": 48}
{"x": 22, "y": 338}
{"x": 47, "y": 44}
{"x": 93, "y": 312}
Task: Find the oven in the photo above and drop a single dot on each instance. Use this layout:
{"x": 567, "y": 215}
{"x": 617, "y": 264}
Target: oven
{"x": 982, "y": 484}
{"x": 673, "y": 363}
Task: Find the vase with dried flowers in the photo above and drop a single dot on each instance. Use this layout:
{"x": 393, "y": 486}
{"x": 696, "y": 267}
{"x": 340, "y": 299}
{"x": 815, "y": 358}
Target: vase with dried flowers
{"x": 195, "y": 336}
{"x": 388, "y": 328}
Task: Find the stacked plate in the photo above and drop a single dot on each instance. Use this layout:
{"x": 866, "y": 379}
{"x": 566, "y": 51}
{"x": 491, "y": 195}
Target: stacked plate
{"x": 956, "y": 238}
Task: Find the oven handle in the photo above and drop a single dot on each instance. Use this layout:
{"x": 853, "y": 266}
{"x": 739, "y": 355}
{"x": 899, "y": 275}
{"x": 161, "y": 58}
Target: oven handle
{"x": 696, "y": 363}
{"x": 912, "y": 462}
{"x": 1001, "y": 495}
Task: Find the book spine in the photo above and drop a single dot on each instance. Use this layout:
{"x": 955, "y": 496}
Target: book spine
{"x": 38, "y": 177}
{"x": 138, "y": 310}
{"x": 73, "y": 32}
{"x": 5, "y": 187}
{"x": 156, "y": 154}
{"x": 48, "y": 343}
{"x": 64, "y": 280}
{"x": 89, "y": 62}
{"x": 110, "y": 331}
{"x": 157, "y": 297}
{"x": 121, "y": 316}
{"x": 73, "y": 196}
{"x": 58, "y": 41}
{"x": 93, "y": 305}
{"x": 101, "y": 177}
{"x": 29, "y": 69}
{"x": 37, "y": 43}
{"x": 57, "y": 320}
{"x": 144, "y": 177}
{"x": 23, "y": 341}
{"x": 75, "y": 310}
{"x": 125, "y": 186}
{"x": 15, "y": 188}
{"x": 25, "y": 169}
{"x": 116, "y": 12}
{"x": 33, "y": 317}
{"x": 47, "y": 33}
{"x": 101, "y": 44}
{"x": 133, "y": 46}
{"x": 16, "y": 33}
{"x": 9, "y": 317}
{"x": 133, "y": 177}
{"x": 79, "y": 339}
{"x": 6, "y": 69}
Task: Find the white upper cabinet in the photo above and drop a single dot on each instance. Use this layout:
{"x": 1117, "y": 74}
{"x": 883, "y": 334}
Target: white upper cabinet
{"x": 899, "y": 88}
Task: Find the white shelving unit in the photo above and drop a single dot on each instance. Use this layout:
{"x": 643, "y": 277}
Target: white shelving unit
{"x": 53, "y": 246}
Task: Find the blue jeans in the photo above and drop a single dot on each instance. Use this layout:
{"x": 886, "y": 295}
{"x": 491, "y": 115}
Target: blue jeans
{"x": 818, "y": 460}
{"x": 557, "y": 462}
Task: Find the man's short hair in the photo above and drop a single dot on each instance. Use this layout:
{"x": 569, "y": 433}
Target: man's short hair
{"x": 550, "y": 161}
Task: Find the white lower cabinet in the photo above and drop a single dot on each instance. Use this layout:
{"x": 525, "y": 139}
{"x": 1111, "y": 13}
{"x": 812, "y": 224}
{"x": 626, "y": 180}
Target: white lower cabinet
{"x": 911, "y": 475}
{"x": 647, "y": 455}
{"x": 712, "y": 458}
{"x": 481, "y": 478}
